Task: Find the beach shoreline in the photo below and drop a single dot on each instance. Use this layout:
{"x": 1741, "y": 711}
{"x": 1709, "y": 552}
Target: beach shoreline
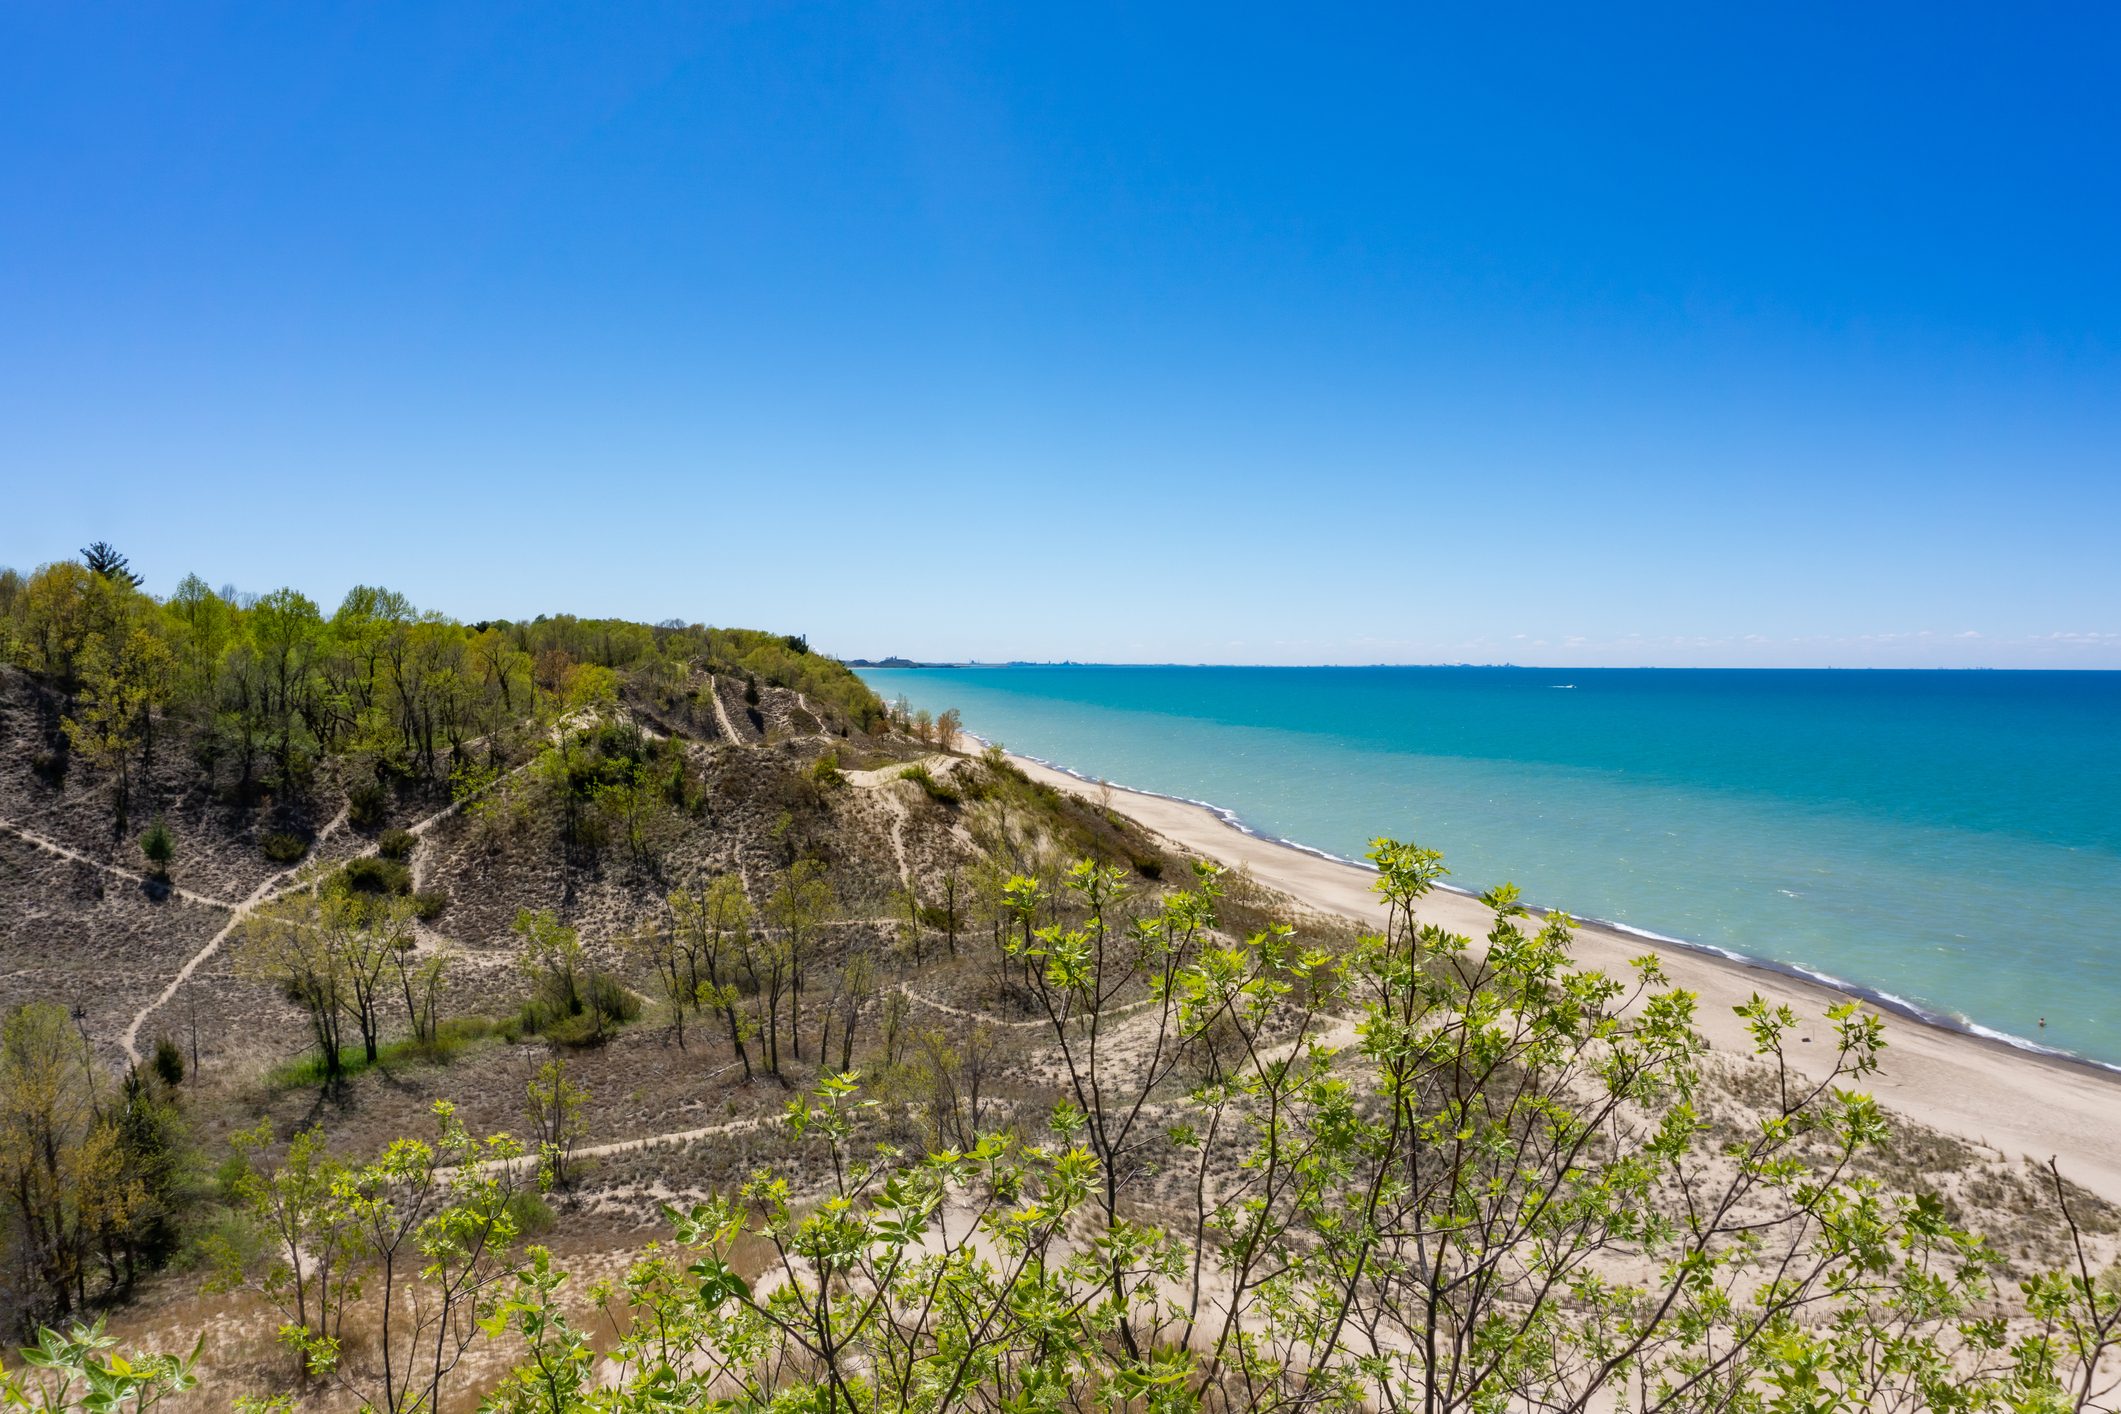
{"x": 1886, "y": 1002}
{"x": 2028, "y": 1103}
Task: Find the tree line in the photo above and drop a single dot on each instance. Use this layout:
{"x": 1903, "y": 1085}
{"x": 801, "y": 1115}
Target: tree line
{"x": 266, "y": 687}
{"x": 93, "y": 1170}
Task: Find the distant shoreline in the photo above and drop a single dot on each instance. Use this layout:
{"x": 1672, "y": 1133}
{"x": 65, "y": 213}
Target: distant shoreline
{"x": 1974, "y": 1083}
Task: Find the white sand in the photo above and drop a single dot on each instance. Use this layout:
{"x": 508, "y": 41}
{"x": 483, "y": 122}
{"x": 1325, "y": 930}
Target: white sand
{"x": 1984, "y": 1091}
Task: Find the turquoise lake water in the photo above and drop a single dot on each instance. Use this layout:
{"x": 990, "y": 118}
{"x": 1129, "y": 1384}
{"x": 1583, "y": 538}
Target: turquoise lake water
{"x": 1949, "y": 842}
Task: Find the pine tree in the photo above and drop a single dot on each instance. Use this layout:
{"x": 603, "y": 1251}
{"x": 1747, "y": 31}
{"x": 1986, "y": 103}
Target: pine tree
{"x": 109, "y": 564}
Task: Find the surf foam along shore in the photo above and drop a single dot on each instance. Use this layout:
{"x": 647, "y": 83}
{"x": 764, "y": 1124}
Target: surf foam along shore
{"x": 1883, "y": 1000}
{"x": 2004, "y": 1093}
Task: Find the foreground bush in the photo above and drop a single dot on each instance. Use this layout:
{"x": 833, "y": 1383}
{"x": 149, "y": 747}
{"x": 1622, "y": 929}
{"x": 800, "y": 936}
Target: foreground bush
{"x": 79, "y": 1371}
{"x": 1408, "y": 1173}
{"x": 1501, "y": 1194}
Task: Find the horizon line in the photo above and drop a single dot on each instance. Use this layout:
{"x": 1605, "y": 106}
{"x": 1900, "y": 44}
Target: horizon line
{"x": 911, "y": 664}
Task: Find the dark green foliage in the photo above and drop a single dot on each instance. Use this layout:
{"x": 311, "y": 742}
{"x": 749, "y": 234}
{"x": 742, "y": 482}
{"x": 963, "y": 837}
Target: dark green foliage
{"x": 382, "y": 876}
{"x": 375, "y": 876}
{"x": 397, "y": 844}
{"x": 614, "y": 781}
{"x": 168, "y": 1061}
{"x": 282, "y": 847}
{"x": 751, "y": 692}
{"x": 366, "y": 804}
{"x": 156, "y": 1153}
{"x": 601, "y": 1005}
{"x": 107, "y": 563}
{"x": 825, "y": 772}
{"x": 159, "y": 844}
{"x": 611, "y": 999}
{"x": 609, "y": 755}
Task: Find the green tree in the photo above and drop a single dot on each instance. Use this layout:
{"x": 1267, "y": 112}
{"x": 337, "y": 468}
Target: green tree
{"x": 309, "y": 1268}
{"x": 202, "y": 628}
{"x": 637, "y": 806}
{"x": 124, "y": 677}
{"x": 671, "y": 951}
{"x": 288, "y": 944}
{"x": 56, "y": 611}
{"x": 853, "y": 989}
{"x": 62, "y": 1171}
{"x": 571, "y": 1002}
{"x": 552, "y": 960}
{"x": 715, "y": 926}
{"x": 158, "y": 845}
{"x": 801, "y": 903}
{"x": 106, "y": 563}
{"x": 284, "y": 635}
{"x": 434, "y": 1224}
{"x": 766, "y": 959}
{"x": 554, "y": 1111}
{"x": 421, "y": 978}
{"x": 876, "y": 1300}
{"x": 333, "y": 953}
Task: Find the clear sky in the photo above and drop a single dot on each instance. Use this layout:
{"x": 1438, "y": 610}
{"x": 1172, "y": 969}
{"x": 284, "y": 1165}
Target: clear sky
{"x": 1579, "y": 334}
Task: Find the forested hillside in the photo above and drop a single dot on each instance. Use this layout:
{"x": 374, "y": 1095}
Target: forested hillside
{"x": 268, "y": 691}
{"x": 574, "y": 1014}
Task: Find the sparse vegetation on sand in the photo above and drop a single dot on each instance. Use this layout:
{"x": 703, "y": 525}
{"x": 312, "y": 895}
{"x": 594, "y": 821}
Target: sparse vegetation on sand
{"x": 770, "y": 1052}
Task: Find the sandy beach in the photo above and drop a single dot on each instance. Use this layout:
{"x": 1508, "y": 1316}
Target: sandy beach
{"x": 2021, "y": 1104}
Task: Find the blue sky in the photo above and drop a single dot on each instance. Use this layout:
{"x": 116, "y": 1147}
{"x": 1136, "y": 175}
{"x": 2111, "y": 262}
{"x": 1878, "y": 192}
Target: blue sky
{"x": 1252, "y": 334}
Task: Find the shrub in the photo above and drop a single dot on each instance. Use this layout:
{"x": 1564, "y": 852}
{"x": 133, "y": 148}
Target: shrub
{"x": 604, "y": 1004}
{"x": 397, "y": 844}
{"x": 371, "y": 875}
{"x": 532, "y": 1214}
{"x": 366, "y": 804}
{"x": 283, "y": 847}
{"x": 168, "y": 1061}
{"x": 450, "y": 1039}
{"x": 159, "y": 844}
{"x": 427, "y": 904}
{"x": 612, "y": 999}
{"x": 921, "y": 776}
{"x": 826, "y": 772}
{"x": 617, "y": 741}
